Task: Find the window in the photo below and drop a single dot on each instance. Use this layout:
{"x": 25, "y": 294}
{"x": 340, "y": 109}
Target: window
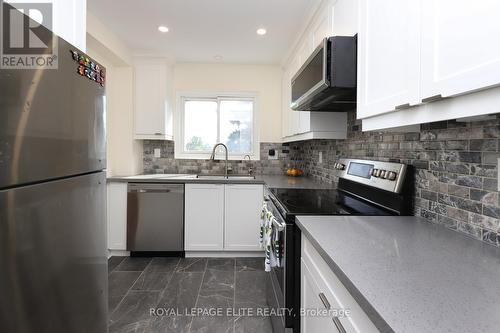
{"x": 207, "y": 120}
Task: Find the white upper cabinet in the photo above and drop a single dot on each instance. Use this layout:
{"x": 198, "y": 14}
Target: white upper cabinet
{"x": 414, "y": 53}
{"x": 388, "y": 56}
{"x": 153, "y": 100}
{"x": 69, "y": 19}
{"x": 459, "y": 51}
{"x": 305, "y": 125}
{"x": 322, "y": 28}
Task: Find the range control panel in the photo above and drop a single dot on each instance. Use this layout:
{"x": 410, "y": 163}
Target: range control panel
{"x": 384, "y": 175}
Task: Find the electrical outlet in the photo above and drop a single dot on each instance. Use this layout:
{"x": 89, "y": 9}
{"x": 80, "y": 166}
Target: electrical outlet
{"x": 157, "y": 152}
{"x": 320, "y": 157}
{"x": 273, "y": 154}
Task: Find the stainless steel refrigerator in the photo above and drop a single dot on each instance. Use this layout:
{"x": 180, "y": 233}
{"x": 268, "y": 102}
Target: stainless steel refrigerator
{"x": 53, "y": 265}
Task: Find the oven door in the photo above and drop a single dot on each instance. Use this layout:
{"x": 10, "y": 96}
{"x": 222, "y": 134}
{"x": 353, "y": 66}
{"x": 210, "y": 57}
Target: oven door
{"x": 280, "y": 290}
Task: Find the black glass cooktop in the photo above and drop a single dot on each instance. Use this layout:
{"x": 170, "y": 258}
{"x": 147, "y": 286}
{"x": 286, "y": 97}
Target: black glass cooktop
{"x": 309, "y": 201}
{"x": 323, "y": 202}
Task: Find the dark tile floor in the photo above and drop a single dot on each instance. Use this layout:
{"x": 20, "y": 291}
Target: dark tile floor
{"x": 138, "y": 284}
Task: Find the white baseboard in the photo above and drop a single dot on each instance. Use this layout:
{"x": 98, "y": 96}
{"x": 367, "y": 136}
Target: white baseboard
{"x": 224, "y": 254}
{"x": 201, "y": 254}
{"x": 118, "y": 253}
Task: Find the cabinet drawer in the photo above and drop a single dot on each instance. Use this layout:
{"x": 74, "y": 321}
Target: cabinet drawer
{"x": 335, "y": 292}
{"x": 313, "y": 299}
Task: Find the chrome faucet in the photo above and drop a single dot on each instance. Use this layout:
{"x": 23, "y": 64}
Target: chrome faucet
{"x": 250, "y": 169}
{"x": 212, "y": 157}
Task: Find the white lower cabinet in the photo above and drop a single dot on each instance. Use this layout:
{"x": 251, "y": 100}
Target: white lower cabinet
{"x": 117, "y": 216}
{"x": 242, "y": 211}
{"x": 310, "y": 300}
{"x": 320, "y": 290}
{"x": 222, "y": 217}
{"x": 204, "y": 217}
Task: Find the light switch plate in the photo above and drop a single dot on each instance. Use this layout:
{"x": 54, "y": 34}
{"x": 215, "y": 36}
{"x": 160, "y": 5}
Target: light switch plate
{"x": 320, "y": 157}
{"x": 157, "y": 152}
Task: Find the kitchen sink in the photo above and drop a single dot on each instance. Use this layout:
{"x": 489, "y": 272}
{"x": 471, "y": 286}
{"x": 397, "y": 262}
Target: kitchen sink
{"x": 222, "y": 177}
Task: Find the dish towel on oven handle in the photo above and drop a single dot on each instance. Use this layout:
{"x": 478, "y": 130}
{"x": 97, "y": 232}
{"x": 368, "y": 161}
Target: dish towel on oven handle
{"x": 276, "y": 247}
{"x": 266, "y": 224}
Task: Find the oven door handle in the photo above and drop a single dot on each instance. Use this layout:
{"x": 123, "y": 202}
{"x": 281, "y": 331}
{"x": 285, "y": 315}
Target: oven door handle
{"x": 281, "y": 226}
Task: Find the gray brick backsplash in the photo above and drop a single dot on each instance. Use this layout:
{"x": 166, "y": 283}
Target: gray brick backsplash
{"x": 166, "y": 163}
{"x": 455, "y": 165}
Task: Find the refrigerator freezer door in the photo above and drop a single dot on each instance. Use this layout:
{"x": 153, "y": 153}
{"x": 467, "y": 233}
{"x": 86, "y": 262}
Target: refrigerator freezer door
{"x": 53, "y": 257}
{"x": 52, "y": 123}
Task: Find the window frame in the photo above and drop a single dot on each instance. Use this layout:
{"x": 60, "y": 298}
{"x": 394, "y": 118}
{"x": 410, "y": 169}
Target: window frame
{"x": 182, "y": 97}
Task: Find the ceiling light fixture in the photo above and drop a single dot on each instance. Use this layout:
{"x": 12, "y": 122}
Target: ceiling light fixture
{"x": 261, "y": 31}
{"x": 162, "y": 28}
{"x": 218, "y": 57}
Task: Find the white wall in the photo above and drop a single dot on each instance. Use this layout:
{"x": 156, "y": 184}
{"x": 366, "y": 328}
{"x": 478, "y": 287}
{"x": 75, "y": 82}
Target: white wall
{"x": 124, "y": 154}
{"x": 110, "y": 43}
{"x": 264, "y": 80}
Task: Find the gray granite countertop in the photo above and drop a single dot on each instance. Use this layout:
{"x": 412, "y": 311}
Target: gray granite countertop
{"x": 271, "y": 181}
{"x": 410, "y": 275}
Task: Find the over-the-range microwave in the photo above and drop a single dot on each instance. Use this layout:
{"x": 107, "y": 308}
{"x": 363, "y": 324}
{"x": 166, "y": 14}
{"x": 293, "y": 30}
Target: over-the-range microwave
{"x": 327, "y": 80}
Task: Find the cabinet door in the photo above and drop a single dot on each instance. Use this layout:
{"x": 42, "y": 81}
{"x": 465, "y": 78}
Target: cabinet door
{"x": 286, "y": 100}
{"x": 242, "y": 218}
{"x": 117, "y": 216}
{"x": 204, "y": 217}
{"x": 302, "y": 119}
{"x": 310, "y": 300}
{"x": 459, "y": 51}
{"x": 294, "y": 120}
{"x": 151, "y": 101}
{"x": 388, "y": 56}
{"x": 323, "y": 27}
{"x": 70, "y": 21}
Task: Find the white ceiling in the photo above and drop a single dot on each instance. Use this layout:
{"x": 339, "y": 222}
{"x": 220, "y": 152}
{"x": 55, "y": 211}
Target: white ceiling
{"x": 202, "y": 29}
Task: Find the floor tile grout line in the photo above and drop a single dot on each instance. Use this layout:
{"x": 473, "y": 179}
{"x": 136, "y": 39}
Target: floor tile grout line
{"x": 111, "y": 271}
{"x": 199, "y": 290}
{"x": 161, "y": 293}
{"x": 234, "y": 296}
{"x": 130, "y": 290}
{"x": 133, "y": 270}
{"x": 149, "y": 263}
{"x": 169, "y": 280}
{"x": 121, "y": 301}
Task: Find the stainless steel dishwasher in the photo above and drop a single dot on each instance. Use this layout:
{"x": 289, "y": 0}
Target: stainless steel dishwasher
{"x": 155, "y": 218}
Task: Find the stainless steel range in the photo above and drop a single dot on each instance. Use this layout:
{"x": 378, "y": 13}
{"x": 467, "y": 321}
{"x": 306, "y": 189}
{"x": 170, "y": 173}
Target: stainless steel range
{"x": 369, "y": 188}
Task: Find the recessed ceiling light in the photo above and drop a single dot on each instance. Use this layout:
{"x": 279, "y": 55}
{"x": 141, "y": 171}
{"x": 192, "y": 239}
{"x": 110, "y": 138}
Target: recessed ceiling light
{"x": 261, "y": 31}
{"x": 218, "y": 57}
{"x": 162, "y": 28}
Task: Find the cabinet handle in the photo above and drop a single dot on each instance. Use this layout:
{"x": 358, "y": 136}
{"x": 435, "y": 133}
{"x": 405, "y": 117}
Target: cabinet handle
{"x": 324, "y": 300}
{"x": 158, "y": 133}
{"x": 432, "y": 98}
{"x": 403, "y": 106}
{"x": 339, "y": 325}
